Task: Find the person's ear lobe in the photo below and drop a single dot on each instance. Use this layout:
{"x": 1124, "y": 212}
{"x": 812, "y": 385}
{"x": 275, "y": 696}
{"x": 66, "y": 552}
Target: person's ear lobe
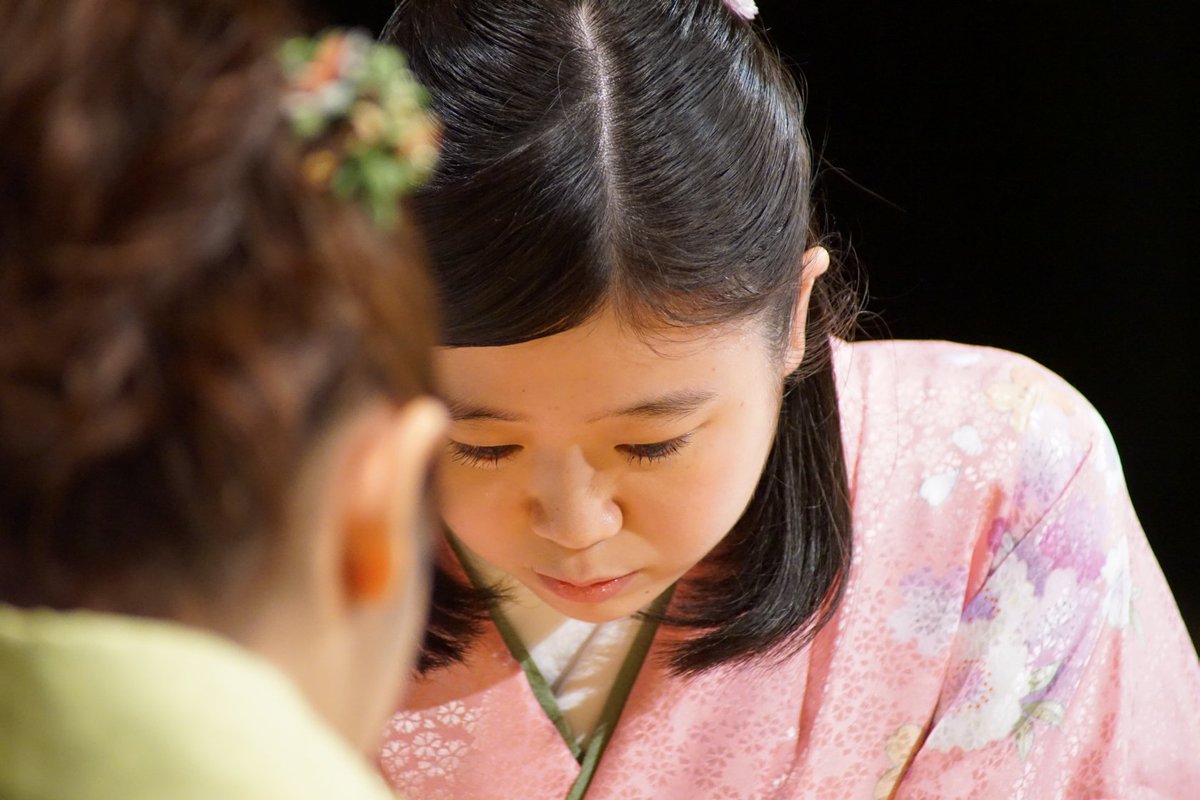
{"x": 816, "y": 264}
{"x": 384, "y": 493}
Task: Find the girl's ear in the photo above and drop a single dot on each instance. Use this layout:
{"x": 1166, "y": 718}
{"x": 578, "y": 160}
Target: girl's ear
{"x": 816, "y": 264}
{"x": 383, "y": 493}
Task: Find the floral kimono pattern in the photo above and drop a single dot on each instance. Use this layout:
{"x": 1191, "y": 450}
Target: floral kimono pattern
{"x": 1005, "y": 633}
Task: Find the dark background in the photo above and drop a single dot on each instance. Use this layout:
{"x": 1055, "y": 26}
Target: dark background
{"x": 1021, "y": 176}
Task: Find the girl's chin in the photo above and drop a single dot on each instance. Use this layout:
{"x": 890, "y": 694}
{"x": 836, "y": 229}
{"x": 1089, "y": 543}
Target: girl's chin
{"x": 596, "y": 614}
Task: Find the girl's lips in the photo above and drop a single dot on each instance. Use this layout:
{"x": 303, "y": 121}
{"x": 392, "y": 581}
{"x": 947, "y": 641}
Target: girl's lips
{"x": 591, "y": 593}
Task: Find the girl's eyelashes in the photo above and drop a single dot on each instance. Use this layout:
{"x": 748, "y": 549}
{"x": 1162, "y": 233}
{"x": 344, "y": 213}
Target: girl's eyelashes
{"x": 639, "y": 454}
{"x": 644, "y": 454}
{"x": 473, "y": 456}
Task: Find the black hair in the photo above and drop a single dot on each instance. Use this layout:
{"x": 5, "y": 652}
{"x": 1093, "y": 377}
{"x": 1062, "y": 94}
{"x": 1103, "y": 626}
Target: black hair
{"x": 646, "y": 156}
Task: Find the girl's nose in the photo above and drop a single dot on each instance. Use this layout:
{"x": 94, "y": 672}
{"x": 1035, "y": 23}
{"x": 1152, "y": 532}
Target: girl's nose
{"x": 569, "y": 506}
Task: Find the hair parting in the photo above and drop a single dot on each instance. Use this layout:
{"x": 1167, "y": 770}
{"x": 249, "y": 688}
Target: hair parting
{"x": 649, "y": 158}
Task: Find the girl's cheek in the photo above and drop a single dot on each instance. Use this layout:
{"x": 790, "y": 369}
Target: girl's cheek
{"x": 460, "y": 483}
{"x": 726, "y": 460}
{"x": 477, "y": 504}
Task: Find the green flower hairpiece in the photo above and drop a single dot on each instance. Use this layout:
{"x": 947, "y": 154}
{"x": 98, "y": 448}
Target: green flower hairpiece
{"x": 360, "y": 100}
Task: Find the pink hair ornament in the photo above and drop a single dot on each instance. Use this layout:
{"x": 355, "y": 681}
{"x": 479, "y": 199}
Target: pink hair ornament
{"x": 746, "y": 9}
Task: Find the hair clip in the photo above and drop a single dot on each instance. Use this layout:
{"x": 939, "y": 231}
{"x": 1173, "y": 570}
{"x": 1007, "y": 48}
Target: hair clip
{"x": 746, "y": 9}
{"x": 377, "y": 140}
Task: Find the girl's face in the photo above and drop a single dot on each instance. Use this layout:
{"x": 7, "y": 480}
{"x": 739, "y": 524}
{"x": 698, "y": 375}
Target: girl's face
{"x": 598, "y": 466}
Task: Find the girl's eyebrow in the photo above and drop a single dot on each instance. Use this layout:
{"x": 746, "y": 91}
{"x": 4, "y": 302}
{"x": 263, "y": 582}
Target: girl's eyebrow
{"x": 461, "y": 411}
{"x": 668, "y": 406}
{"x": 672, "y": 405}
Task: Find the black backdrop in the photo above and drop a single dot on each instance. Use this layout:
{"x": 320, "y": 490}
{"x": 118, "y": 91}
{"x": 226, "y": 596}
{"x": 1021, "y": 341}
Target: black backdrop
{"x": 1018, "y": 175}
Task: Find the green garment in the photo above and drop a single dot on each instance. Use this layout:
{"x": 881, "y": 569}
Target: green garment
{"x": 103, "y": 707}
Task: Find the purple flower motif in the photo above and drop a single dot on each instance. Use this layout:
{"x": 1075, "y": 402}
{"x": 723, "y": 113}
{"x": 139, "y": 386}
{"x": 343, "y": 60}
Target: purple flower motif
{"x": 982, "y": 607}
{"x": 931, "y": 610}
{"x": 1071, "y": 543}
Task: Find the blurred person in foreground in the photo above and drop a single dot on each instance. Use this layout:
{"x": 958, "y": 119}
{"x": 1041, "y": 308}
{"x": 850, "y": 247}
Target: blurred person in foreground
{"x": 215, "y": 413}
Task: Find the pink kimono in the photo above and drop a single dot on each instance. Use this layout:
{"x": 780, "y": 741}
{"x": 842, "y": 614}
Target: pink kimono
{"x": 1005, "y": 633}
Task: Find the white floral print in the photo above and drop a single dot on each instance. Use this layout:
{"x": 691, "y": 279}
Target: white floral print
{"x": 932, "y": 607}
{"x": 986, "y": 645}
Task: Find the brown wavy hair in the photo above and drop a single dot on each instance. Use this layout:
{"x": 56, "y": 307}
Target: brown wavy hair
{"x": 181, "y": 315}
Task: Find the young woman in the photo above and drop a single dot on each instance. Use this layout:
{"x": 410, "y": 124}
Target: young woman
{"x": 735, "y": 556}
{"x": 214, "y": 422}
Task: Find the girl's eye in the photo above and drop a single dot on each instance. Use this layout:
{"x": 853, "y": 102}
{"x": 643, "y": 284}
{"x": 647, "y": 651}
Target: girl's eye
{"x": 643, "y": 454}
{"x": 473, "y": 456}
